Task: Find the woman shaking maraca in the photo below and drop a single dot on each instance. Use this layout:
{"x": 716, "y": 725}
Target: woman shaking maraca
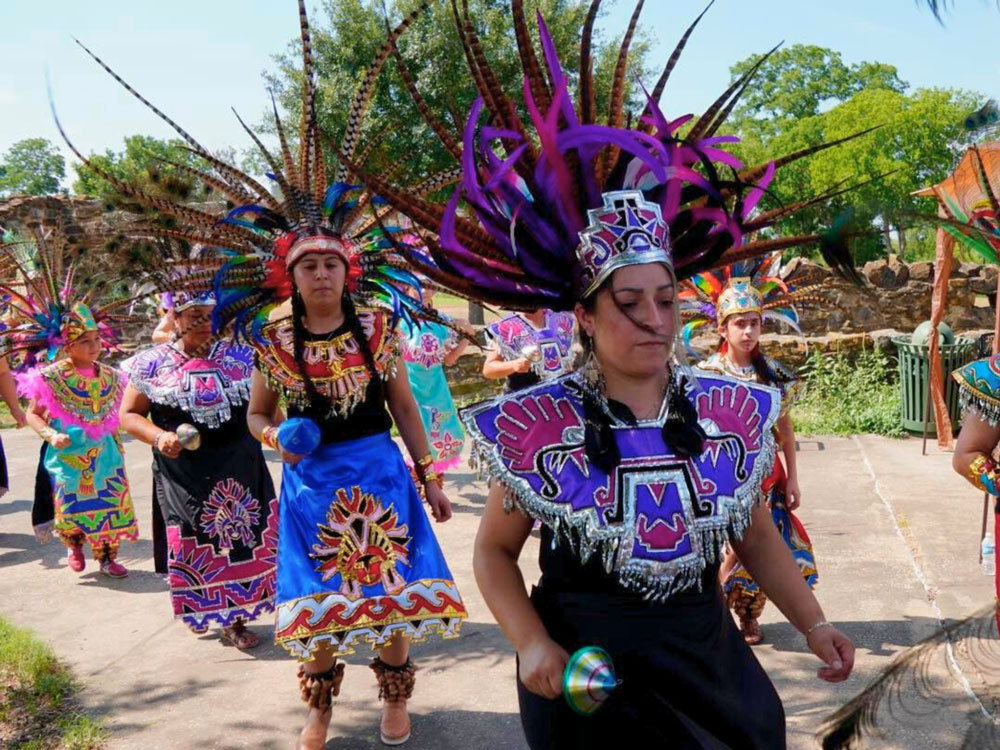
{"x": 188, "y": 399}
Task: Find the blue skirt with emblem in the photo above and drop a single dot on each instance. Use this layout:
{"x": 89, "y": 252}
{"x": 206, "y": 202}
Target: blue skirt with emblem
{"x": 358, "y": 561}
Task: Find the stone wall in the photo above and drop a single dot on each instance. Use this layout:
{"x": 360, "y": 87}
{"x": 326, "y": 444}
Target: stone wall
{"x": 895, "y": 296}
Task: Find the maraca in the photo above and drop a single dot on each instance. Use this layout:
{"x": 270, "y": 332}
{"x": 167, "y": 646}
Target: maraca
{"x": 531, "y": 352}
{"x": 299, "y": 435}
{"x": 588, "y": 680}
{"x": 188, "y": 436}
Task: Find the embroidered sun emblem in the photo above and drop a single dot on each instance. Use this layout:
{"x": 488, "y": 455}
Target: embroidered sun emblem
{"x": 230, "y": 515}
{"x": 363, "y": 542}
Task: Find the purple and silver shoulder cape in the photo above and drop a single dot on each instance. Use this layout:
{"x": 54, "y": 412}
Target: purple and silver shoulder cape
{"x": 660, "y": 520}
{"x": 205, "y": 387}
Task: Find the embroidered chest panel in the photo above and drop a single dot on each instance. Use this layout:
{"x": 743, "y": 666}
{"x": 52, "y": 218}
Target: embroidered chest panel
{"x": 660, "y": 518}
{"x": 979, "y": 388}
{"x": 549, "y": 348}
{"x": 336, "y": 366}
{"x": 92, "y": 400}
{"x": 205, "y": 387}
{"x": 428, "y": 344}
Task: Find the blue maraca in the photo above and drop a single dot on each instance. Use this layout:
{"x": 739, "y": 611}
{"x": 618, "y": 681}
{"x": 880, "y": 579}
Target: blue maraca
{"x": 299, "y": 435}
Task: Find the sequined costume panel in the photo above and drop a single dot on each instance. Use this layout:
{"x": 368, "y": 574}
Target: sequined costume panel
{"x": 551, "y": 345}
{"x": 91, "y": 491}
{"x": 743, "y": 594}
{"x": 660, "y": 519}
{"x": 218, "y": 502}
{"x": 424, "y": 351}
{"x": 979, "y": 388}
{"x": 205, "y": 387}
{"x": 336, "y": 366}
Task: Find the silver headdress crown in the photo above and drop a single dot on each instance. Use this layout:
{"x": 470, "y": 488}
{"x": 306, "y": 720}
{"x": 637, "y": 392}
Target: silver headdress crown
{"x": 627, "y": 230}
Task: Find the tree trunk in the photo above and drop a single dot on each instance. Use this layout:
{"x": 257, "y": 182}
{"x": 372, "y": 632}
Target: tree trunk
{"x": 902, "y": 243}
{"x": 476, "y": 314}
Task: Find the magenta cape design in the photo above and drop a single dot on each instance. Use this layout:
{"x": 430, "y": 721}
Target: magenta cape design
{"x": 206, "y": 586}
{"x": 660, "y": 519}
{"x": 554, "y": 341}
{"x": 206, "y": 388}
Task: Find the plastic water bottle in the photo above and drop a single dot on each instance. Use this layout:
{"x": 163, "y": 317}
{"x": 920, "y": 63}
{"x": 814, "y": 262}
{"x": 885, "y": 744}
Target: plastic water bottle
{"x": 989, "y": 556}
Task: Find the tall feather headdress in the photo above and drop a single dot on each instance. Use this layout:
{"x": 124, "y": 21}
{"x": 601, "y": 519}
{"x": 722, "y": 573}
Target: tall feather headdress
{"x": 753, "y": 285}
{"x": 316, "y": 207}
{"x": 547, "y": 205}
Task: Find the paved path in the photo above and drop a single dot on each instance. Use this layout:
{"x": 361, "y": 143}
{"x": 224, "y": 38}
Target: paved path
{"x": 896, "y": 536}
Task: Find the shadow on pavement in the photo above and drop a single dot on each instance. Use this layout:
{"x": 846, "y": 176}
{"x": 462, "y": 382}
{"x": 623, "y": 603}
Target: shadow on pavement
{"x": 14, "y": 506}
{"x": 26, "y": 549}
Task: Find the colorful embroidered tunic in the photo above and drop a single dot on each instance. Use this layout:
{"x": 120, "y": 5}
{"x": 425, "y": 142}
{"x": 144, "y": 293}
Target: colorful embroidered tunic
{"x": 549, "y": 348}
{"x": 424, "y": 351}
{"x": 218, "y": 502}
{"x": 357, "y": 558}
{"x": 91, "y": 492}
{"x": 979, "y": 388}
{"x": 658, "y": 522}
{"x": 742, "y": 591}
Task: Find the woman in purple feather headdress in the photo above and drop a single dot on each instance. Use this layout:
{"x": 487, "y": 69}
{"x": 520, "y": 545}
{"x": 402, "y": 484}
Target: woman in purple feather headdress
{"x": 638, "y": 471}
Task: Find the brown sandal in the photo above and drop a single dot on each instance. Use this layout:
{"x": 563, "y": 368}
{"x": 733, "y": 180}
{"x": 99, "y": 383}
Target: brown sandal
{"x": 239, "y": 637}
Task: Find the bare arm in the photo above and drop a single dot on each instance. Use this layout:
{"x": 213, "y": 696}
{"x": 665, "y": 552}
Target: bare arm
{"x": 38, "y": 421}
{"x": 134, "y": 416}
{"x": 498, "y": 546}
{"x": 455, "y": 352}
{"x": 8, "y": 391}
{"x": 765, "y": 555}
{"x": 406, "y": 415}
{"x": 496, "y": 368}
{"x": 264, "y": 412}
{"x": 976, "y": 439}
{"x": 793, "y": 496}
{"x": 164, "y": 330}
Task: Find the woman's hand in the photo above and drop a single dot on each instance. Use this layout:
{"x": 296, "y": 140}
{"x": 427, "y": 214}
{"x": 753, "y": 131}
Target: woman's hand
{"x": 835, "y": 649}
{"x": 793, "y": 495}
{"x": 168, "y": 444}
{"x": 540, "y": 667}
{"x": 439, "y": 502}
{"x": 60, "y": 440}
{"x": 290, "y": 458}
{"x": 19, "y": 417}
{"x": 519, "y": 365}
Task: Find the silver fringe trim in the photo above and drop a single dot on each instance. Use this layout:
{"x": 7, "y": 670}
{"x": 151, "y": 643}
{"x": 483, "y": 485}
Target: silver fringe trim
{"x": 973, "y": 402}
{"x": 654, "y": 581}
{"x": 211, "y": 417}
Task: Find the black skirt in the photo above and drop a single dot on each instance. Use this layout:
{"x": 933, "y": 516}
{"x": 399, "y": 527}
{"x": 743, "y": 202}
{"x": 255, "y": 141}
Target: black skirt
{"x": 688, "y": 678}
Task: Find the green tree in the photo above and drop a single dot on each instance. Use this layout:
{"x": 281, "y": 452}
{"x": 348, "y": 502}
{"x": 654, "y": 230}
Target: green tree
{"x": 914, "y": 145}
{"x": 31, "y": 167}
{"x": 350, "y": 32}
{"x": 145, "y": 161}
{"x": 801, "y": 80}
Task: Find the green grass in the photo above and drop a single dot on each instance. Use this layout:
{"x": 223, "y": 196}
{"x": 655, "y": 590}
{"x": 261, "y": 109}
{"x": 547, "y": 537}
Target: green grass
{"x": 37, "y": 706}
{"x": 849, "y": 396}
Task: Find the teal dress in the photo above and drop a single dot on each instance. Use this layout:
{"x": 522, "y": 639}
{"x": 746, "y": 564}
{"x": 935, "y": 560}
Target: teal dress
{"x": 424, "y": 351}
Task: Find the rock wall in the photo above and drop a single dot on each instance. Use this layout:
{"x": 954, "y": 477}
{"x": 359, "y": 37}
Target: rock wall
{"x": 895, "y": 296}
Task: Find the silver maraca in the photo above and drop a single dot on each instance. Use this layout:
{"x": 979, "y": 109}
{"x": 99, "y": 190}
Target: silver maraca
{"x": 188, "y": 436}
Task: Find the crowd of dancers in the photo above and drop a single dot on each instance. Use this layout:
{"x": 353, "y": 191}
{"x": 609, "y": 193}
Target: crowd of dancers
{"x": 299, "y": 320}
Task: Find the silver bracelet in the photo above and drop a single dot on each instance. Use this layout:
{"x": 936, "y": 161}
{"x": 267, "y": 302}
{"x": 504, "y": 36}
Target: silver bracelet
{"x": 817, "y": 626}
{"x": 156, "y": 440}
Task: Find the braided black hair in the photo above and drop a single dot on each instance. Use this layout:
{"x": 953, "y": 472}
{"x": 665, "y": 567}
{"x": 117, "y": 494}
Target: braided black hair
{"x": 317, "y": 401}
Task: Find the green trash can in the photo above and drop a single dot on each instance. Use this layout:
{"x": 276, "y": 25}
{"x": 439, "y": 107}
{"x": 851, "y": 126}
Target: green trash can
{"x": 914, "y": 379}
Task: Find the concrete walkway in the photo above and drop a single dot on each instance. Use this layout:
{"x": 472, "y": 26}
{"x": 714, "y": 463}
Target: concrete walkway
{"x": 895, "y": 533}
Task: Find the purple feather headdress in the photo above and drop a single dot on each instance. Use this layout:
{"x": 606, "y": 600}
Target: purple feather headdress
{"x": 549, "y": 205}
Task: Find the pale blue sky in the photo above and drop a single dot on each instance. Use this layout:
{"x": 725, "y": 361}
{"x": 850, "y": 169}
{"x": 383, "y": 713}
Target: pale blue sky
{"x": 196, "y": 58}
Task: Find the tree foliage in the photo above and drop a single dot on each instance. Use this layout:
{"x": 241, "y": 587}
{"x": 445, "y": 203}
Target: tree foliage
{"x": 145, "y": 161}
{"x": 807, "y": 96}
{"x": 349, "y": 33}
{"x": 31, "y": 167}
